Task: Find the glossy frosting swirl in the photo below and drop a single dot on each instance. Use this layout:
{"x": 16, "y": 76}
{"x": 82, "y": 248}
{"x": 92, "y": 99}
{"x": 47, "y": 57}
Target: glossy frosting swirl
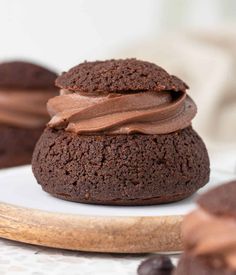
{"x": 211, "y": 236}
{"x": 124, "y": 113}
{"x": 24, "y": 108}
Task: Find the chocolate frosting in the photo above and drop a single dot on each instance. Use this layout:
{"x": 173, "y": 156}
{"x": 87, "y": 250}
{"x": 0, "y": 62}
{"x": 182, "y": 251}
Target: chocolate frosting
{"x": 212, "y": 237}
{"x": 24, "y": 108}
{"x": 148, "y": 112}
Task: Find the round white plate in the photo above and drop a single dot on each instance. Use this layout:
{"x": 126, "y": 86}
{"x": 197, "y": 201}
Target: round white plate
{"x": 19, "y": 187}
{"x": 30, "y": 215}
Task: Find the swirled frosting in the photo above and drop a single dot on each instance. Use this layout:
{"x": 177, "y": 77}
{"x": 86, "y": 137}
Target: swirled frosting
{"x": 148, "y": 112}
{"x": 211, "y": 236}
{"x": 24, "y": 108}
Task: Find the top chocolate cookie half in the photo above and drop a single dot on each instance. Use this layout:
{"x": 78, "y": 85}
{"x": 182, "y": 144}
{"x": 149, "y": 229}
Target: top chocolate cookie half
{"x": 116, "y": 76}
{"x": 220, "y": 200}
{"x": 24, "y": 75}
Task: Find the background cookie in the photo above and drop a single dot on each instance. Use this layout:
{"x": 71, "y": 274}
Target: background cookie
{"x": 24, "y": 90}
{"x": 25, "y": 75}
{"x": 220, "y": 200}
{"x": 189, "y": 265}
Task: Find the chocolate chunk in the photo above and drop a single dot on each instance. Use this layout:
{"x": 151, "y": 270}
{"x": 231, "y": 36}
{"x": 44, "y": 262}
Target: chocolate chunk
{"x": 156, "y": 265}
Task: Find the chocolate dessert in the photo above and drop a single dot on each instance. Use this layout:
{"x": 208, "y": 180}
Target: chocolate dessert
{"x": 24, "y": 90}
{"x": 209, "y": 234}
{"x": 120, "y": 133}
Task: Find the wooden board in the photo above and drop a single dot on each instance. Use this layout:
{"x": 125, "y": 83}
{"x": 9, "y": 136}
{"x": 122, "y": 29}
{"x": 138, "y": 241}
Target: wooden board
{"x": 27, "y": 214}
{"x": 100, "y": 234}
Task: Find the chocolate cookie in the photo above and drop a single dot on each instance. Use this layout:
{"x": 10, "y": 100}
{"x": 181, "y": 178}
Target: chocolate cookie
{"x": 120, "y": 133}
{"x": 119, "y": 76}
{"x": 25, "y": 75}
{"x": 24, "y": 90}
{"x": 189, "y": 265}
{"x": 209, "y": 234}
{"x": 220, "y": 200}
{"x": 121, "y": 169}
{"x": 17, "y": 145}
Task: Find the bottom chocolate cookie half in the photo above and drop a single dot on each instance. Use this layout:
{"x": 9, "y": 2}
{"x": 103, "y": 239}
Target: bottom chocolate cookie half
{"x": 17, "y": 145}
{"x": 121, "y": 169}
{"x": 189, "y": 265}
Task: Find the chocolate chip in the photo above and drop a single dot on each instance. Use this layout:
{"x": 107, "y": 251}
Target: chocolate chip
{"x": 156, "y": 265}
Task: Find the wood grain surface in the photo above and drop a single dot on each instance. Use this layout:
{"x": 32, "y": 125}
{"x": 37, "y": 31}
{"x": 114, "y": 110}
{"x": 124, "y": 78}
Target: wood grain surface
{"x": 85, "y": 233}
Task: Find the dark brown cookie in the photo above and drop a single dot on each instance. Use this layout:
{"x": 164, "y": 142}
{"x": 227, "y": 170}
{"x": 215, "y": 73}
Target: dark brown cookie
{"x": 121, "y": 169}
{"x": 24, "y": 75}
{"x": 220, "y": 200}
{"x": 17, "y": 145}
{"x": 119, "y": 76}
{"x": 189, "y": 265}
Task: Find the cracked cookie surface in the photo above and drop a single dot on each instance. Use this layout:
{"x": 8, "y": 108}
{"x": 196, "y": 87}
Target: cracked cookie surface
{"x": 121, "y": 169}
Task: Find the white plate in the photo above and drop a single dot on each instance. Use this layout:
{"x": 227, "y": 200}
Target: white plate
{"x": 19, "y": 187}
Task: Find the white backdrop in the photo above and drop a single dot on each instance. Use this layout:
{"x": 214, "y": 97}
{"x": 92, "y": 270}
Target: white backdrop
{"x": 62, "y": 33}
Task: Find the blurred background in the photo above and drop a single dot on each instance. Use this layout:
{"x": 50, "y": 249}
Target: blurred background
{"x": 194, "y": 39}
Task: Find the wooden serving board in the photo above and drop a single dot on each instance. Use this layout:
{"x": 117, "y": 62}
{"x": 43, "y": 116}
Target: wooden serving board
{"x": 28, "y": 214}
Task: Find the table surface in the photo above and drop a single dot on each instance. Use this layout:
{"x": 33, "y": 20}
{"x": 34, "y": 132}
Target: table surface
{"x": 26, "y": 259}
{"x": 17, "y": 258}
